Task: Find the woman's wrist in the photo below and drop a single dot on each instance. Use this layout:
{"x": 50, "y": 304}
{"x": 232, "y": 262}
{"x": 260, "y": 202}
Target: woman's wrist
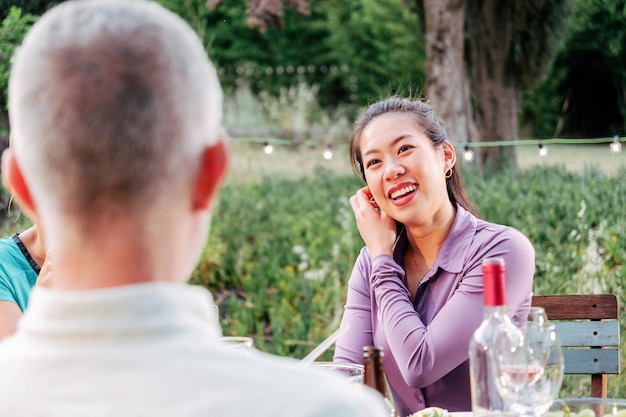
{"x": 375, "y": 253}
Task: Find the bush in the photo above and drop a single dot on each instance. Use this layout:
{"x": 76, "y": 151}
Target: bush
{"x": 281, "y": 251}
{"x": 280, "y": 275}
{"x": 13, "y": 29}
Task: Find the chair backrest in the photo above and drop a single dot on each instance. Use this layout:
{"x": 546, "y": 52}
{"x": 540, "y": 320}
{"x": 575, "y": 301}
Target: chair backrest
{"x": 588, "y": 327}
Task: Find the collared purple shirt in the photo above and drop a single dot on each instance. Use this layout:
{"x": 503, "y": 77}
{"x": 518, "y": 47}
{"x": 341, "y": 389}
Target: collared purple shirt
{"x": 426, "y": 341}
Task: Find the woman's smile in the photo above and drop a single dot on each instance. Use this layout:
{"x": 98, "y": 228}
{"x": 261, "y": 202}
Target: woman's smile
{"x": 403, "y": 193}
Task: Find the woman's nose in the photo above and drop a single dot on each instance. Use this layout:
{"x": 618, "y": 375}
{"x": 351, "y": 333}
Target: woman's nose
{"x": 394, "y": 169}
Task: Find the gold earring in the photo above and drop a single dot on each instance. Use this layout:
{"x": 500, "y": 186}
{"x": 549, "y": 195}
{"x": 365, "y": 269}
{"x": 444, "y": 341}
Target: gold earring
{"x": 449, "y": 173}
{"x": 9, "y": 209}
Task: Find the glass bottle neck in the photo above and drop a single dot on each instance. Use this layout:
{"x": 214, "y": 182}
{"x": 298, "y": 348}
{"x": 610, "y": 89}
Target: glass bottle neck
{"x": 494, "y": 311}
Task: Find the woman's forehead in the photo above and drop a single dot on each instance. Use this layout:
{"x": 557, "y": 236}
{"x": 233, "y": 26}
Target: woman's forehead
{"x": 388, "y": 129}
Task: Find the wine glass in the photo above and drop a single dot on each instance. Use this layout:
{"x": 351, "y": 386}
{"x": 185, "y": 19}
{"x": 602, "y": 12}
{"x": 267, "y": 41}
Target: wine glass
{"x": 537, "y": 316}
{"x": 529, "y": 372}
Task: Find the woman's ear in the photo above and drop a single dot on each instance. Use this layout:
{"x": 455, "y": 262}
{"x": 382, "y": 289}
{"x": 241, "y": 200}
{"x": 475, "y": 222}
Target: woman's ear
{"x": 449, "y": 155}
{"x": 14, "y": 179}
{"x": 214, "y": 161}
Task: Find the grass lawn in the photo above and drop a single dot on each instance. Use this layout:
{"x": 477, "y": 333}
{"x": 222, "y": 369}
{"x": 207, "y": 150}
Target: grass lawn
{"x": 249, "y": 163}
{"x": 574, "y": 157}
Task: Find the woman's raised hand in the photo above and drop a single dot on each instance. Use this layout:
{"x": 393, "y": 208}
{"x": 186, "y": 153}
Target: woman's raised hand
{"x": 377, "y": 229}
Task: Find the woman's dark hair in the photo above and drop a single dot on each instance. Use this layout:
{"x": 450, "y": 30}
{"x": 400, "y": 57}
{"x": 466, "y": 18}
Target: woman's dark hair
{"x": 427, "y": 122}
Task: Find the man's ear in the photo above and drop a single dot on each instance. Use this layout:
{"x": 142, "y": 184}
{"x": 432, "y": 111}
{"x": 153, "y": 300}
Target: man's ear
{"x": 213, "y": 165}
{"x": 14, "y": 179}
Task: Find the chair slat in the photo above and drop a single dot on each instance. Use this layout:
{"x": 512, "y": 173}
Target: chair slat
{"x": 591, "y": 361}
{"x": 580, "y": 306}
{"x": 588, "y": 333}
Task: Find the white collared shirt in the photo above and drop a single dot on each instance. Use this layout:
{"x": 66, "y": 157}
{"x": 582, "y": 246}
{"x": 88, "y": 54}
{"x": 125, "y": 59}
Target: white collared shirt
{"x": 151, "y": 350}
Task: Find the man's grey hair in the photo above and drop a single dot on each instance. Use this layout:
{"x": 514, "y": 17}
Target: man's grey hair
{"x": 111, "y": 104}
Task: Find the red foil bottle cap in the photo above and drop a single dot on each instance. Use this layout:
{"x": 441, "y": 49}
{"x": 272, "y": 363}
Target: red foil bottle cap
{"x": 494, "y": 283}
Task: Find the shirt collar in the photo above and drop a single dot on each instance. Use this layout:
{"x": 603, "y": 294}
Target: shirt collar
{"x": 452, "y": 255}
{"x": 120, "y": 312}
{"x": 454, "y": 251}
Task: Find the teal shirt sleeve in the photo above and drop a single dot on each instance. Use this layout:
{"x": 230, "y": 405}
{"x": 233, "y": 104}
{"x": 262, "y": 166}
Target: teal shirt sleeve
{"x": 17, "y": 275}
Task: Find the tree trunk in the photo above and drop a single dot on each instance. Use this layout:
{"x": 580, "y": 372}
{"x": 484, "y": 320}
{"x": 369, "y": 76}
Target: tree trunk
{"x": 447, "y": 88}
{"x": 494, "y": 89}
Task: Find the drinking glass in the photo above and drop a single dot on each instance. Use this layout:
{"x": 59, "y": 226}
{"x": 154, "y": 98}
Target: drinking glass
{"x": 529, "y": 372}
{"x": 352, "y": 372}
{"x": 537, "y": 316}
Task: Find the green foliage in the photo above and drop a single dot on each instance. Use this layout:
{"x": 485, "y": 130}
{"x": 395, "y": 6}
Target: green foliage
{"x": 281, "y": 251}
{"x": 195, "y": 12}
{"x": 541, "y": 107}
{"x": 280, "y": 273}
{"x": 12, "y": 220}
{"x": 538, "y": 28}
{"x": 35, "y": 7}
{"x": 381, "y": 42}
{"x": 593, "y": 52}
{"x": 352, "y": 50}
{"x": 13, "y": 30}
{"x": 597, "y": 37}
{"x": 599, "y": 26}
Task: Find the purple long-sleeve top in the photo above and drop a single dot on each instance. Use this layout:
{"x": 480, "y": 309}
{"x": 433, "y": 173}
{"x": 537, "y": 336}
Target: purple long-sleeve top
{"x": 426, "y": 341}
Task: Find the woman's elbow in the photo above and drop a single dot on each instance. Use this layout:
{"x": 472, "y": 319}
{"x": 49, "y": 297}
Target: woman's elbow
{"x": 418, "y": 376}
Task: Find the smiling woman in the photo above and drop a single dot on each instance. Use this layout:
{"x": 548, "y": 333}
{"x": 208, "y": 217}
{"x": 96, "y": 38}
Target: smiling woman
{"x": 416, "y": 288}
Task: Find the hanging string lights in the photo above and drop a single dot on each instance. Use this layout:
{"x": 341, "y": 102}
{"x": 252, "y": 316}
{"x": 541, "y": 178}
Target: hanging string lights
{"x": 469, "y": 155}
{"x": 328, "y": 153}
{"x": 616, "y": 145}
{"x": 543, "y": 150}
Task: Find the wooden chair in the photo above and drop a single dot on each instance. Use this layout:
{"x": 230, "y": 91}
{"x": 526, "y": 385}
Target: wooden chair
{"x": 588, "y": 327}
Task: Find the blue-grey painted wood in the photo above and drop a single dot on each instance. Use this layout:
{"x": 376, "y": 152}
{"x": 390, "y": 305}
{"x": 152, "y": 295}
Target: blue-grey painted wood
{"x": 591, "y": 361}
{"x": 588, "y": 333}
{"x": 594, "y": 309}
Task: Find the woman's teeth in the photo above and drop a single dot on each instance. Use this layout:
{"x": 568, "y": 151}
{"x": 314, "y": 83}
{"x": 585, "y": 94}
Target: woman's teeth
{"x": 403, "y": 191}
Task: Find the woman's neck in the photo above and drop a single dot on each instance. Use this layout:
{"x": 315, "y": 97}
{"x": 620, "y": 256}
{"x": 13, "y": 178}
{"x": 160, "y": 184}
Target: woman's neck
{"x": 427, "y": 239}
{"x": 33, "y": 242}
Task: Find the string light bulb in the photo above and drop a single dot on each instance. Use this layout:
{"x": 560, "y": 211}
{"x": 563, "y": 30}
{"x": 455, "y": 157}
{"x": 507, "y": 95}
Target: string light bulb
{"x": 268, "y": 148}
{"x": 616, "y": 145}
{"x": 468, "y": 154}
{"x": 543, "y": 150}
{"x": 328, "y": 153}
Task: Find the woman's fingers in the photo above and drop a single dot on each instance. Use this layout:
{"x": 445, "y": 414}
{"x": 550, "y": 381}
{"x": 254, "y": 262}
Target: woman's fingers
{"x": 376, "y": 228}
{"x": 370, "y": 197}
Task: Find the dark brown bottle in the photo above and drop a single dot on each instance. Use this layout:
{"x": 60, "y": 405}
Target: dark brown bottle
{"x": 374, "y": 374}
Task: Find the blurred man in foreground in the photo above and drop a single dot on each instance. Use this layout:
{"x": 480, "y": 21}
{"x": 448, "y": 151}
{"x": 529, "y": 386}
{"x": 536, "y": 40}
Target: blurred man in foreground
{"x": 116, "y": 154}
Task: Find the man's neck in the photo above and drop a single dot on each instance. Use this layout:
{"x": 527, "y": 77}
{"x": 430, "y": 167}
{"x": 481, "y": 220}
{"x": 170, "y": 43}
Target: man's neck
{"x": 119, "y": 252}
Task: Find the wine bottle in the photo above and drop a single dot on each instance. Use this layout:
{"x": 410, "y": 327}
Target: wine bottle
{"x": 374, "y": 373}
{"x": 496, "y": 324}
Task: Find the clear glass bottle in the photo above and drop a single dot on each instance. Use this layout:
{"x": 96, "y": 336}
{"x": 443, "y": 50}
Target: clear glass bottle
{"x": 496, "y": 324}
{"x": 374, "y": 374}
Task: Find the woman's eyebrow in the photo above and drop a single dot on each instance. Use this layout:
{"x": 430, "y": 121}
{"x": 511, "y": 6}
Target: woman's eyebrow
{"x": 393, "y": 142}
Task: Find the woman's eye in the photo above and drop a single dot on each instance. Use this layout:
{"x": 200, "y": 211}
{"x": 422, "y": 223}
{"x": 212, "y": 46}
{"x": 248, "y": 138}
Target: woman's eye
{"x": 372, "y": 162}
{"x": 404, "y": 148}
